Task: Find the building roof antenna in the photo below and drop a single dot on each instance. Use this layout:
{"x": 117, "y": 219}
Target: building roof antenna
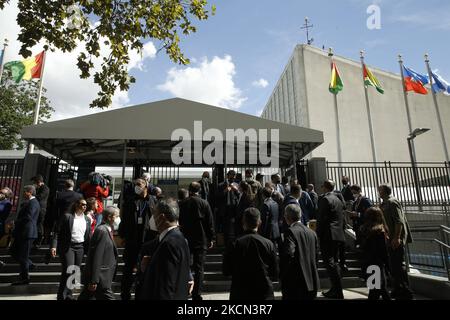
{"x": 307, "y": 26}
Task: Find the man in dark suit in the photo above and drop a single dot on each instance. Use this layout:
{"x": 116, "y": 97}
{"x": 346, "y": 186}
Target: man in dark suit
{"x": 227, "y": 201}
{"x": 42, "y": 193}
{"x": 269, "y": 217}
{"x": 167, "y": 275}
{"x": 196, "y": 223}
{"x": 25, "y": 233}
{"x": 330, "y": 230}
{"x": 278, "y": 186}
{"x": 101, "y": 261}
{"x": 251, "y": 262}
{"x": 65, "y": 199}
{"x": 298, "y": 259}
{"x": 134, "y": 230}
{"x": 206, "y": 191}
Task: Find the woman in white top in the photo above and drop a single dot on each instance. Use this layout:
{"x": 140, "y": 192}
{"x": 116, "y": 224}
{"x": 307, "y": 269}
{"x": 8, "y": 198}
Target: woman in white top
{"x": 70, "y": 242}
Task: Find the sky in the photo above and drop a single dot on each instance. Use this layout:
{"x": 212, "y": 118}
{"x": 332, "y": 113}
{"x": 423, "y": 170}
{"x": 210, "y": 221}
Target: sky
{"x": 238, "y": 55}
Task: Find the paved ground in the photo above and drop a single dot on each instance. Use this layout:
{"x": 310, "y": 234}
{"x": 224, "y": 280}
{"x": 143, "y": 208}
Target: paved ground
{"x": 353, "y": 294}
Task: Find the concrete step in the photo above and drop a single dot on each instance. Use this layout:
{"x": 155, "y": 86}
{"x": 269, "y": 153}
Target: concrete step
{"x": 51, "y": 287}
{"x": 39, "y": 259}
{"x": 42, "y": 268}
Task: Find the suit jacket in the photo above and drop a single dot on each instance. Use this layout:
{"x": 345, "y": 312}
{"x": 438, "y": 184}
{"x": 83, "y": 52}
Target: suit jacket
{"x": 206, "y": 191}
{"x": 42, "y": 194}
{"x": 244, "y": 203}
{"x": 64, "y": 200}
{"x": 298, "y": 262}
{"x": 128, "y": 228}
{"x": 330, "y": 218}
{"x": 168, "y": 272}
{"x": 269, "y": 216}
{"x": 196, "y": 222}
{"x": 253, "y": 264}
{"x": 26, "y": 222}
{"x": 63, "y": 235}
{"x": 101, "y": 261}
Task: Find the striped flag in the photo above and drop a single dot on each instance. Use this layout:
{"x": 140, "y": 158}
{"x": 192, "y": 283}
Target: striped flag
{"x": 371, "y": 80}
{"x": 336, "y": 83}
{"x": 26, "y": 69}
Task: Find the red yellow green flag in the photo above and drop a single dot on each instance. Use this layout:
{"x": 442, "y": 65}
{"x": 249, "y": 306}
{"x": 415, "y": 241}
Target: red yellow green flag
{"x": 26, "y": 69}
{"x": 371, "y": 80}
{"x": 336, "y": 84}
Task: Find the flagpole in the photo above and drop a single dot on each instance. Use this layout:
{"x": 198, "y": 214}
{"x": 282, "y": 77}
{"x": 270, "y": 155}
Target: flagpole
{"x": 405, "y": 94}
{"x": 38, "y": 103}
{"x": 436, "y": 105}
{"x": 369, "y": 115}
{"x": 338, "y": 129}
{"x": 5, "y": 44}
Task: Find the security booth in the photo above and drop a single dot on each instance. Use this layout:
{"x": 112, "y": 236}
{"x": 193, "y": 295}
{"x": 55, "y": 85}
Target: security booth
{"x": 173, "y": 133}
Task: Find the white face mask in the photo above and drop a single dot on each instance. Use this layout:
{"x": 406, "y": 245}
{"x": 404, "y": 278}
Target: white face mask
{"x": 138, "y": 190}
{"x": 249, "y": 179}
{"x": 152, "y": 224}
{"x": 116, "y": 223}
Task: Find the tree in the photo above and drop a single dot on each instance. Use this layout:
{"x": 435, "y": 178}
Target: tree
{"x": 17, "y": 104}
{"x": 119, "y": 25}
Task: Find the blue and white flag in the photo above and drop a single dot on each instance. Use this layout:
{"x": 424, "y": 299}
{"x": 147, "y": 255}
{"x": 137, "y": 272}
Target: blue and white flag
{"x": 439, "y": 84}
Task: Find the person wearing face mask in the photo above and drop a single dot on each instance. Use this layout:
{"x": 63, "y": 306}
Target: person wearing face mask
{"x": 360, "y": 205}
{"x": 101, "y": 261}
{"x": 71, "y": 241}
{"x": 134, "y": 229}
{"x": 206, "y": 192}
{"x": 256, "y": 188}
{"x": 25, "y": 233}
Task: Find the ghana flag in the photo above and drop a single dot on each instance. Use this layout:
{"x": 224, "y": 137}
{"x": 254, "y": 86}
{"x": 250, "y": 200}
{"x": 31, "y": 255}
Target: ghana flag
{"x": 336, "y": 84}
{"x": 26, "y": 69}
{"x": 370, "y": 80}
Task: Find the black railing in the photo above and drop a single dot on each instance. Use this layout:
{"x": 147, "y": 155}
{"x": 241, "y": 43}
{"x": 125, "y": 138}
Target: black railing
{"x": 432, "y": 188}
{"x": 11, "y": 176}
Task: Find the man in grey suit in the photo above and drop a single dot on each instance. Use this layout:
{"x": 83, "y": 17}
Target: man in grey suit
{"x": 298, "y": 258}
{"x": 102, "y": 260}
{"x": 330, "y": 230}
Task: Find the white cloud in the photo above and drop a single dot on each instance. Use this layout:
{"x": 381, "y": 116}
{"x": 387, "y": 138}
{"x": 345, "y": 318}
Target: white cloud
{"x": 69, "y": 95}
{"x": 261, "y": 83}
{"x": 209, "y": 82}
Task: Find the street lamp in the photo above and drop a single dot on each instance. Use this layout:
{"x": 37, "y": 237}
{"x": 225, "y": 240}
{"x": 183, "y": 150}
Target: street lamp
{"x": 411, "y": 137}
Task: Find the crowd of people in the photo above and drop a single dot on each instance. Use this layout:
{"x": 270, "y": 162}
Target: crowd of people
{"x": 271, "y": 231}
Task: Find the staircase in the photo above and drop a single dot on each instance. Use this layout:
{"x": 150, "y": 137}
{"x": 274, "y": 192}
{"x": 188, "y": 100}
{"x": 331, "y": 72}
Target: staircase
{"x": 45, "y": 278}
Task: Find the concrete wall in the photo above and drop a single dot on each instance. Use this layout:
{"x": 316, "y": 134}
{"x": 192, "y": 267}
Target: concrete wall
{"x": 303, "y": 91}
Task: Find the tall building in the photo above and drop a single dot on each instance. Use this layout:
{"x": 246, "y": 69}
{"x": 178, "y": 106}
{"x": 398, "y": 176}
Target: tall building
{"x": 301, "y": 97}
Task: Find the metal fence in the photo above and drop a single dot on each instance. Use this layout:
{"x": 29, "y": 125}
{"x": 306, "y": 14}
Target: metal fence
{"x": 429, "y": 251}
{"x": 432, "y": 188}
{"x": 11, "y": 176}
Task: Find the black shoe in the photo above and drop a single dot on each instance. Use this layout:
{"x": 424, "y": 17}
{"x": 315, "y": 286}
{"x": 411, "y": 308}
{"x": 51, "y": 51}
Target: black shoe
{"x": 197, "y": 298}
{"x": 32, "y": 267}
{"x": 2, "y": 264}
{"x": 333, "y": 294}
{"x": 21, "y": 283}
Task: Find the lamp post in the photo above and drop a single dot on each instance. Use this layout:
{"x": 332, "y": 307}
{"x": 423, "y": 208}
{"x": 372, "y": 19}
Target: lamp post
{"x": 411, "y": 137}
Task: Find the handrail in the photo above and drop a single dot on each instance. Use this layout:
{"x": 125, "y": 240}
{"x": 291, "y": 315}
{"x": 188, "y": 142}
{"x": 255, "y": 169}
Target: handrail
{"x": 441, "y": 243}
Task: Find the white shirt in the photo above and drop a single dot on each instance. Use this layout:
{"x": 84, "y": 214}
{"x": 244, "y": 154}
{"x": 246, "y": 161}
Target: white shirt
{"x": 79, "y": 228}
{"x": 163, "y": 234}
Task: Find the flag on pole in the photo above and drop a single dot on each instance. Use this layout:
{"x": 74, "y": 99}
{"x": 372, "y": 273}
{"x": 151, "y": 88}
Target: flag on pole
{"x": 1, "y": 57}
{"x": 415, "y": 81}
{"x": 371, "y": 80}
{"x": 26, "y": 69}
{"x": 439, "y": 84}
{"x": 336, "y": 83}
